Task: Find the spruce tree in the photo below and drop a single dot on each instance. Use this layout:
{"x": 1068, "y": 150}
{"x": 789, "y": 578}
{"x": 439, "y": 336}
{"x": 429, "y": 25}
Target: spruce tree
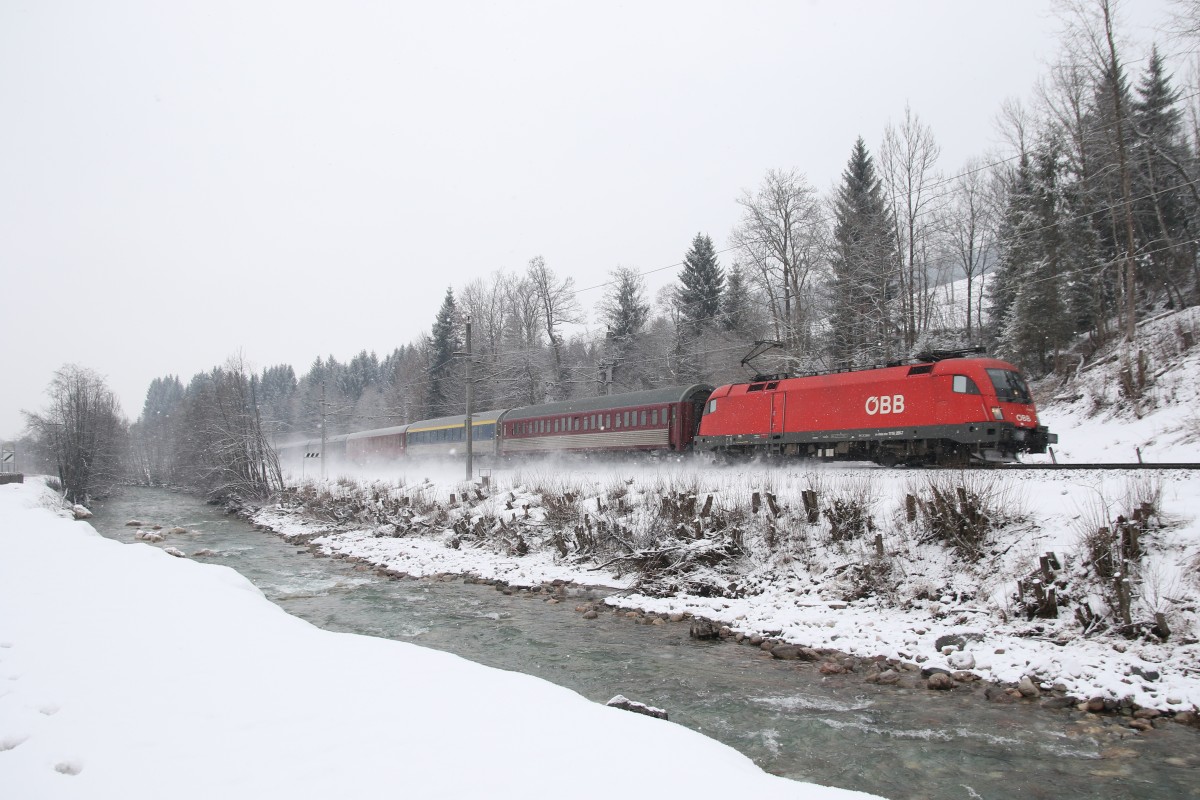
{"x": 1164, "y": 204}
{"x": 702, "y": 283}
{"x": 1036, "y": 266}
{"x": 443, "y": 343}
{"x": 734, "y": 316}
{"x": 863, "y": 262}
{"x": 625, "y": 308}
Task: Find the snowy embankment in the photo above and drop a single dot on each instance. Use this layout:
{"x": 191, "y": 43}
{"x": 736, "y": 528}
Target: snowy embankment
{"x": 888, "y": 588}
{"x": 1125, "y": 405}
{"x": 127, "y": 673}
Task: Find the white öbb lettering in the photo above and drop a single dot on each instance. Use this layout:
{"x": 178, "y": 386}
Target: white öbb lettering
{"x": 885, "y": 404}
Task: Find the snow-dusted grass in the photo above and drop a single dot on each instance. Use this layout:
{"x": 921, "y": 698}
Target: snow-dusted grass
{"x": 126, "y": 673}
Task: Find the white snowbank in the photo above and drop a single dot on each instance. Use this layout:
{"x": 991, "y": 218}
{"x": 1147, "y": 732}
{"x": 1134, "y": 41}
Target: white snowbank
{"x": 127, "y": 673}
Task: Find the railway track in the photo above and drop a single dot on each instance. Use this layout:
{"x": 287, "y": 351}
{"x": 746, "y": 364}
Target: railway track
{"x": 1111, "y": 466}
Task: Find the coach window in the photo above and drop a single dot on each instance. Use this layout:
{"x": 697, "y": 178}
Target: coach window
{"x": 654, "y": 417}
{"x": 964, "y": 385}
{"x": 643, "y": 417}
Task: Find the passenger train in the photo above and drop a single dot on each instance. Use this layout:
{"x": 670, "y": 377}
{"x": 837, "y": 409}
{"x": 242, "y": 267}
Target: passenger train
{"x": 942, "y": 409}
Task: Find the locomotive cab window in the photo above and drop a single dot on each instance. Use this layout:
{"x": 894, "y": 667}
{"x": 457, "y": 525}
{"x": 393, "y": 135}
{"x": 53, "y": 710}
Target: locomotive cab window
{"x": 712, "y": 406}
{"x": 1010, "y": 386}
{"x": 964, "y": 385}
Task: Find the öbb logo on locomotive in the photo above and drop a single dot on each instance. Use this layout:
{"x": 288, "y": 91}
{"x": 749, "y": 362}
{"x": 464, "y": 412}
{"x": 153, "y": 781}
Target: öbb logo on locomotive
{"x": 885, "y": 404}
{"x": 943, "y": 408}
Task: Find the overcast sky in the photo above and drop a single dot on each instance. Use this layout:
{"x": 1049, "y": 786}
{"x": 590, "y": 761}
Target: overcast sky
{"x": 182, "y": 181}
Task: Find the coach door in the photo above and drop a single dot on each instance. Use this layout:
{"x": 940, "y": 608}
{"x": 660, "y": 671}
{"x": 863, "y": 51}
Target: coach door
{"x": 778, "y": 401}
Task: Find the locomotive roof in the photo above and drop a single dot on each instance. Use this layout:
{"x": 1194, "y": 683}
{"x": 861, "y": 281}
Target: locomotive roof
{"x": 943, "y": 366}
{"x": 669, "y": 394}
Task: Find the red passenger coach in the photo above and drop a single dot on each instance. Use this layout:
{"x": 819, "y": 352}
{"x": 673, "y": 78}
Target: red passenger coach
{"x": 382, "y": 445}
{"x": 658, "y": 419}
{"x": 944, "y": 410}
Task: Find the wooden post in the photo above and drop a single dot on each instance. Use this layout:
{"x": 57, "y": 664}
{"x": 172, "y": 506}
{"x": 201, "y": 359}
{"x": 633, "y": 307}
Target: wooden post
{"x": 1049, "y": 609}
{"x": 774, "y": 506}
{"x": 879, "y": 545}
{"x": 812, "y": 509}
{"x": 910, "y": 507}
{"x": 1160, "y": 622}
{"x": 1131, "y": 546}
{"x": 1122, "y": 586}
{"x": 755, "y": 502}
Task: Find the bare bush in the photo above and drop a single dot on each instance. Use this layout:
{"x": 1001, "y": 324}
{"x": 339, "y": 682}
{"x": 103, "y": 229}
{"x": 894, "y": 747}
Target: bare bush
{"x": 961, "y": 510}
{"x": 849, "y": 511}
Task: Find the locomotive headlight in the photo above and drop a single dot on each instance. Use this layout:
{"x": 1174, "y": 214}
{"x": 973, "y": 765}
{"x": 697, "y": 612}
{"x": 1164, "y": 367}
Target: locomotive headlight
{"x": 997, "y": 413}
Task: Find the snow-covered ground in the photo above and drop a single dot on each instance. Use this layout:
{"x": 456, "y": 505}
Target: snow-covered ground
{"x": 1097, "y": 422}
{"x": 126, "y": 673}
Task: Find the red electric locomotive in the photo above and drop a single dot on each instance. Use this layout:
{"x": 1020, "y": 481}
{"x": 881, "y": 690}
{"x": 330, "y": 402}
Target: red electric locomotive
{"x": 945, "y": 409}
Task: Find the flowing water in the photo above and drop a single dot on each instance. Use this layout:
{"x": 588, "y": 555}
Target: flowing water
{"x": 792, "y": 721}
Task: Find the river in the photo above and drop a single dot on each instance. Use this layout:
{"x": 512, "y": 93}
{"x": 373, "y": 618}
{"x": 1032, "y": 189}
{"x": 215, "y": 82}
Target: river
{"x": 833, "y": 730}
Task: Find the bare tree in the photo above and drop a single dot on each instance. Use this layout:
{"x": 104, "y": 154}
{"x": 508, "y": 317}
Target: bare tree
{"x": 486, "y": 303}
{"x": 226, "y": 451}
{"x": 1015, "y": 125}
{"x": 84, "y": 429}
{"x": 909, "y": 157}
{"x": 522, "y": 363}
{"x": 782, "y": 237}
{"x": 970, "y": 233}
{"x": 558, "y": 307}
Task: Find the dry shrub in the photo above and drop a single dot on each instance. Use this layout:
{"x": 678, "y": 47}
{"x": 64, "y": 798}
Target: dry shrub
{"x": 849, "y": 510}
{"x": 961, "y": 510}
